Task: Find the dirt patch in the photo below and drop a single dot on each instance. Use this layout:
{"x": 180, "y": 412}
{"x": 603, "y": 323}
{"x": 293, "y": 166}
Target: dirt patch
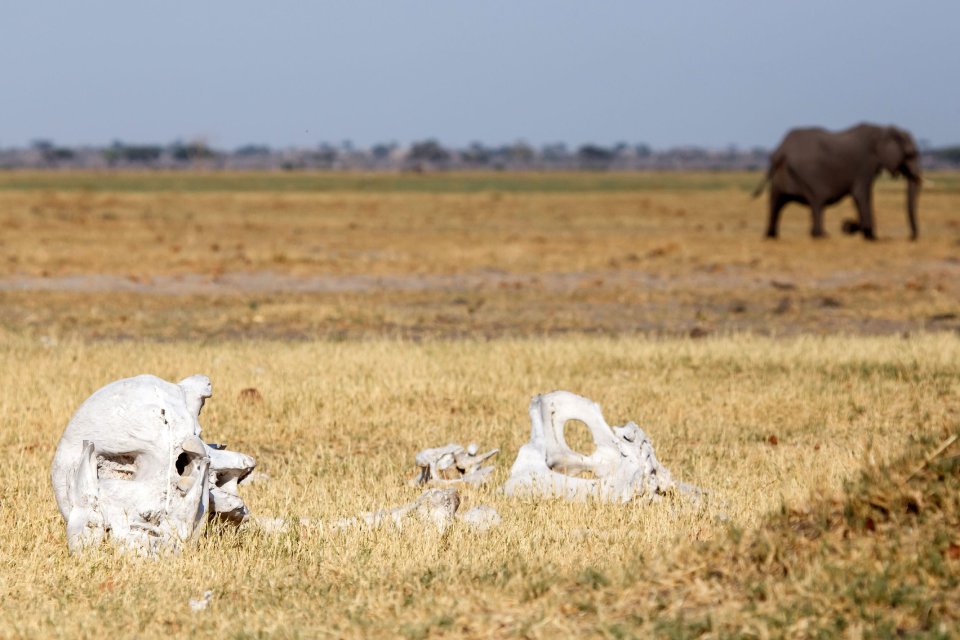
{"x": 485, "y": 303}
{"x": 718, "y": 278}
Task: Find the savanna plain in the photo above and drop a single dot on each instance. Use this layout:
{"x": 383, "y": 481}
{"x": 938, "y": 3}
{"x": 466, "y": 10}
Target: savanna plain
{"x": 810, "y": 387}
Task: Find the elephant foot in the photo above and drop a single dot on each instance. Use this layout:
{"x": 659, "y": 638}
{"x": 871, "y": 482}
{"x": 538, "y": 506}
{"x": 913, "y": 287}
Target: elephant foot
{"x": 851, "y": 227}
{"x": 819, "y": 235}
{"x": 869, "y": 235}
{"x": 771, "y": 235}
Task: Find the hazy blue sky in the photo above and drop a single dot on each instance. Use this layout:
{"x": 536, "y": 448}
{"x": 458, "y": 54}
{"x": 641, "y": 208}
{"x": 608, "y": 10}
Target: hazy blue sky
{"x": 672, "y": 72}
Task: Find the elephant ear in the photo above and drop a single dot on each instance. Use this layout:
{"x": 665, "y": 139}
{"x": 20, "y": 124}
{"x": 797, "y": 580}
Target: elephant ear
{"x": 890, "y": 151}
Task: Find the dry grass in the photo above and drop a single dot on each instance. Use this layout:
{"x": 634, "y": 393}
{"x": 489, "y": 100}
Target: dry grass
{"x": 105, "y": 276}
{"x": 685, "y": 255}
{"x": 336, "y": 431}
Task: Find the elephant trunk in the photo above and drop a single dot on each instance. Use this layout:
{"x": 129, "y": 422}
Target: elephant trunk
{"x": 913, "y": 191}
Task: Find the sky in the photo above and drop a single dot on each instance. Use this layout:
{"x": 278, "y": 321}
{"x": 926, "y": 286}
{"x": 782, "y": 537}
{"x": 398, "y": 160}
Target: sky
{"x": 710, "y": 73}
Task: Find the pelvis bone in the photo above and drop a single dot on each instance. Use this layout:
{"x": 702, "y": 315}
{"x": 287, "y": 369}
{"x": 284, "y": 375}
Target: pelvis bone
{"x": 131, "y": 467}
{"x": 624, "y": 465}
{"x": 452, "y": 464}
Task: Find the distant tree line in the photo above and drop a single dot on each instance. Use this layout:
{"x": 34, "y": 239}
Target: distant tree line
{"x": 424, "y": 155}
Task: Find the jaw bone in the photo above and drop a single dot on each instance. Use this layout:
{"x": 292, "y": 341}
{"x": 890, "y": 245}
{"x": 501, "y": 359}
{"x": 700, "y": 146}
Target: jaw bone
{"x": 623, "y": 467}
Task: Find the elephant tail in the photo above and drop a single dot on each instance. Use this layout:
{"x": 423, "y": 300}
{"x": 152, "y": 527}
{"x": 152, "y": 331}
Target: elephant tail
{"x": 760, "y": 187}
{"x": 775, "y": 161}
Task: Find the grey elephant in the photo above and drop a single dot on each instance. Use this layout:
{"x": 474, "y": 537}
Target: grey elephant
{"x": 817, "y": 168}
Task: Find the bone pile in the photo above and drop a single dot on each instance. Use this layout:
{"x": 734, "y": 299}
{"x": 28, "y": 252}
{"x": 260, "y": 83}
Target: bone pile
{"x": 131, "y": 468}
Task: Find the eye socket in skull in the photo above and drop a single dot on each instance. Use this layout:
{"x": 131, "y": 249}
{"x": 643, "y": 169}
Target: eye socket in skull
{"x": 181, "y": 464}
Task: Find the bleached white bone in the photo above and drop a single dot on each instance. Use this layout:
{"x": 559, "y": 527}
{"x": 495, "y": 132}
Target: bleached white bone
{"x": 201, "y": 603}
{"x": 437, "y": 507}
{"x": 434, "y": 506}
{"x": 227, "y": 469}
{"x": 480, "y": 518}
{"x": 131, "y": 467}
{"x": 452, "y": 464}
{"x": 84, "y": 522}
{"x": 623, "y": 467}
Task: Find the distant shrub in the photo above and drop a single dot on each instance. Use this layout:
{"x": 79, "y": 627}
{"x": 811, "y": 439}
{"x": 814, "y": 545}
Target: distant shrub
{"x": 591, "y": 156}
{"x": 947, "y": 154}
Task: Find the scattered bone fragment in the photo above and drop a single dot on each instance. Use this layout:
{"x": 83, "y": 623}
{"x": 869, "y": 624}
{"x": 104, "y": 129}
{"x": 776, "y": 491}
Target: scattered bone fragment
{"x": 480, "y": 518}
{"x": 451, "y": 464}
{"x": 435, "y": 507}
{"x": 623, "y": 467}
{"x": 273, "y": 526}
{"x": 201, "y": 603}
{"x": 132, "y": 469}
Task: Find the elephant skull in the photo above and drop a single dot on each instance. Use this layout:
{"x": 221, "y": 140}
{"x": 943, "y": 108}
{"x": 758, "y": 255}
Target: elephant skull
{"x": 624, "y": 465}
{"x": 131, "y": 467}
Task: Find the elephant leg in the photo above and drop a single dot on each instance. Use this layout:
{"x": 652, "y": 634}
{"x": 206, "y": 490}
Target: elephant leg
{"x": 816, "y": 211}
{"x": 777, "y": 202}
{"x": 865, "y": 211}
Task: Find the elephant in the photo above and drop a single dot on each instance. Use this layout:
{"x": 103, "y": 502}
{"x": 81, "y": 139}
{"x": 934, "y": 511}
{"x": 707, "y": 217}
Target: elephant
{"x": 817, "y": 168}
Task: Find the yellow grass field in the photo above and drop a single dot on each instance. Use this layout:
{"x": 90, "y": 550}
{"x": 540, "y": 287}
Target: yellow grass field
{"x": 377, "y": 319}
{"x": 304, "y": 257}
